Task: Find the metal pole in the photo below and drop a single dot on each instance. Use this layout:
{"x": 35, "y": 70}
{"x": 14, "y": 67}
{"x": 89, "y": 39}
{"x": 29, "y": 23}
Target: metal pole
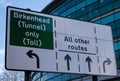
{"x": 94, "y": 78}
{"x": 27, "y": 76}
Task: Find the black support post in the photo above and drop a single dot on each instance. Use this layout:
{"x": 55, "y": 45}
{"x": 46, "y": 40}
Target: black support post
{"x": 27, "y": 76}
{"x": 94, "y": 78}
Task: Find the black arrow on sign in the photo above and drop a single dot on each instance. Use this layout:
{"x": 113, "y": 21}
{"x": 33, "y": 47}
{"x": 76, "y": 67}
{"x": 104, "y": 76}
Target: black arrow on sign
{"x": 30, "y": 54}
{"x": 68, "y": 58}
{"x": 88, "y": 59}
{"x": 108, "y": 62}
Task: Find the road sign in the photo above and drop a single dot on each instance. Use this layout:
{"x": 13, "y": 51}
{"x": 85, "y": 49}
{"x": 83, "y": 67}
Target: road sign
{"x": 40, "y": 42}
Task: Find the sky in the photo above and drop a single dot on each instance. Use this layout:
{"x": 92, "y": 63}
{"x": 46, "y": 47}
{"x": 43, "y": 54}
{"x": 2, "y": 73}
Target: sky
{"x": 35, "y": 5}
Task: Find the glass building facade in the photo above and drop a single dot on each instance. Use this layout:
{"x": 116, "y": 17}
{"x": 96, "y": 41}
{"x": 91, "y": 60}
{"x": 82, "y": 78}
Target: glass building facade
{"x": 96, "y": 11}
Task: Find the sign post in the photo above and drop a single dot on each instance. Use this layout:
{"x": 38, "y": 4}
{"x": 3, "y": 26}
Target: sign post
{"x": 39, "y": 42}
{"x": 27, "y": 76}
{"x": 94, "y": 78}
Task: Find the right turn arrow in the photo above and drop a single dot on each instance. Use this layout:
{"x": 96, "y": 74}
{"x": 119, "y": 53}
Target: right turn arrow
{"x": 89, "y": 60}
{"x": 108, "y": 62}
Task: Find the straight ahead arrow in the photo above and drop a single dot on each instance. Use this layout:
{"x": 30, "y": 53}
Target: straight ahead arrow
{"x": 89, "y": 60}
{"x": 68, "y": 59}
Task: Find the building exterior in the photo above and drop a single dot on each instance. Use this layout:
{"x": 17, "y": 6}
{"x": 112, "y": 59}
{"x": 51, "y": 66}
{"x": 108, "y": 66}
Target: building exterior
{"x": 97, "y": 11}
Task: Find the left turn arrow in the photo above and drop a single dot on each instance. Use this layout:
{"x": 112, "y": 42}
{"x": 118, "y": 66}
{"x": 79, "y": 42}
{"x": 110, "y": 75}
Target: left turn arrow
{"x": 30, "y": 54}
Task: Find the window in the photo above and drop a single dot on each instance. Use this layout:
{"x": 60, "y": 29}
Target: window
{"x": 106, "y": 9}
{"x": 93, "y": 13}
{"x": 117, "y": 15}
{"x": 112, "y": 24}
{"x": 116, "y": 4}
{"x": 114, "y": 34}
{"x": 118, "y": 32}
{"x": 66, "y": 77}
{"x": 71, "y": 10}
{"x": 117, "y": 23}
{"x": 116, "y": 46}
{"x": 90, "y": 1}
{"x": 107, "y": 19}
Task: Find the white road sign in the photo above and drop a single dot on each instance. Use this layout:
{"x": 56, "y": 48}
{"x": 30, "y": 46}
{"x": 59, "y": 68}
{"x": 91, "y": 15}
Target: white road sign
{"x": 40, "y": 42}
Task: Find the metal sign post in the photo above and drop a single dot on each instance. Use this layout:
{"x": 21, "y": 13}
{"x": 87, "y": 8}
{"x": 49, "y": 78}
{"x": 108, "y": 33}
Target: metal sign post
{"x": 27, "y": 76}
{"x": 94, "y": 78}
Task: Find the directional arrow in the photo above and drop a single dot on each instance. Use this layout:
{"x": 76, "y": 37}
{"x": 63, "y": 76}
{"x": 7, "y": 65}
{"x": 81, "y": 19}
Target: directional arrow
{"x": 108, "y": 62}
{"x": 30, "y": 54}
{"x": 88, "y": 59}
{"x": 68, "y": 59}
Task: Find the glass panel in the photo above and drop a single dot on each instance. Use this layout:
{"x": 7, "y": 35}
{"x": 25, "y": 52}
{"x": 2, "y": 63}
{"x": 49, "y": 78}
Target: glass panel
{"x": 116, "y": 4}
{"x": 114, "y": 34}
{"x": 80, "y": 5}
{"x": 84, "y": 18}
{"x": 107, "y": 19}
{"x": 75, "y": 75}
{"x": 56, "y": 13}
{"x": 58, "y": 78}
{"x": 70, "y": 4}
{"x": 50, "y": 75}
{"x": 104, "y": 2}
{"x": 93, "y": 7}
{"x": 62, "y": 9}
{"x": 98, "y": 21}
{"x": 112, "y": 24}
{"x": 117, "y": 54}
{"x": 93, "y": 13}
{"x": 65, "y": 77}
{"x": 117, "y": 24}
{"x": 71, "y": 10}
{"x": 90, "y": 1}
{"x": 63, "y": 14}
{"x": 78, "y": 13}
{"x": 116, "y": 45}
{"x": 118, "y": 32}
{"x": 106, "y": 8}
{"x": 119, "y": 44}
{"x": 77, "y": 7}
{"x": 117, "y": 16}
